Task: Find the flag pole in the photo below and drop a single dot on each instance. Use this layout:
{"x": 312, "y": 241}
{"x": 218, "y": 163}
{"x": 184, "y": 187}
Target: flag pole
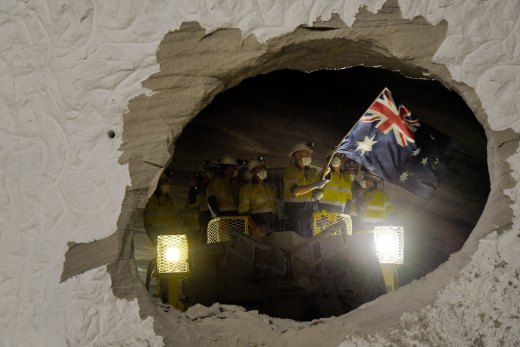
{"x": 352, "y": 127}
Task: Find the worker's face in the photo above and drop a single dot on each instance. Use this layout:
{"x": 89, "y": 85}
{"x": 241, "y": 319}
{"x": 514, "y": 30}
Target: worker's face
{"x": 231, "y": 171}
{"x": 352, "y": 174}
{"x": 370, "y": 183}
{"x": 211, "y": 172}
{"x": 260, "y": 172}
{"x": 165, "y": 187}
{"x": 336, "y": 162}
{"x": 302, "y": 158}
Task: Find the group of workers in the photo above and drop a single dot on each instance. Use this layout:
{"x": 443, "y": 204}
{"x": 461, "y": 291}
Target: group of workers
{"x": 341, "y": 187}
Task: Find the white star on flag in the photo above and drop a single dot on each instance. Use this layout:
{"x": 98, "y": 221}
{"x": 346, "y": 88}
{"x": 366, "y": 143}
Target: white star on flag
{"x": 424, "y": 161}
{"x": 403, "y": 177}
{"x": 416, "y": 152}
{"x": 366, "y": 145}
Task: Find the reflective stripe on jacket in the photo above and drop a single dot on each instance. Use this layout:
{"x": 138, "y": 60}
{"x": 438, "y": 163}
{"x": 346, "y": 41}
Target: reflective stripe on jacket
{"x": 256, "y": 198}
{"x": 293, "y": 176}
{"x": 338, "y": 191}
{"x": 376, "y": 207}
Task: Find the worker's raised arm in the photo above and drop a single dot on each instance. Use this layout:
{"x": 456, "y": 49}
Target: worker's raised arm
{"x": 320, "y": 181}
{"x": 301, "y": 190}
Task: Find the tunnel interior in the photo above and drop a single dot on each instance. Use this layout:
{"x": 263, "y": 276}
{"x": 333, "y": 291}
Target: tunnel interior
{"x": 267, "y": 114}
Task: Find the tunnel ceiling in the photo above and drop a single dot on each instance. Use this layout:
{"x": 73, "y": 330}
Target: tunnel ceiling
{"x": 268, "y": 114}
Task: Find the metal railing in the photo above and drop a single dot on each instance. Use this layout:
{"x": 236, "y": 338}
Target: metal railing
{"x": 323, "y": 220}
{"x": 220, "y": 228}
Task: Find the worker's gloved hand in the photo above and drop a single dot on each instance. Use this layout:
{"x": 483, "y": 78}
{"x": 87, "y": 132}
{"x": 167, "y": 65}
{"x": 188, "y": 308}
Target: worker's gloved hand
{"x": 317, "y": 194}
{"x": 325, "y": 171}
{"x": 256, "y": 232}
{"x": 320, "y": 184}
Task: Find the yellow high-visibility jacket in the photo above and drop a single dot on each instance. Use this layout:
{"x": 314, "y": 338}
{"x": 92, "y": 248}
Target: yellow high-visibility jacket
{"x": 160, "y": 211}
{"x": 338, "y": 191}
{"x": 201, "y": 199}
{"x": 223, "y": 191}
{"x": 293, "y": 176}
{"x": 256, "y": 198}
{"x": 376, "y": 207}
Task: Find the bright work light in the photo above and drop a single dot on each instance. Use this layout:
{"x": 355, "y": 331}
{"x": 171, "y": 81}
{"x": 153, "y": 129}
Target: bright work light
{"x": 172, "y": 253}
{"x": 389, "y": 244}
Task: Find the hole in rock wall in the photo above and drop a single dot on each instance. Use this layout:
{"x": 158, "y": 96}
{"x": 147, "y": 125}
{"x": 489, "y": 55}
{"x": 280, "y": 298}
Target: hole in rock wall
{"x": 267, "y": 115}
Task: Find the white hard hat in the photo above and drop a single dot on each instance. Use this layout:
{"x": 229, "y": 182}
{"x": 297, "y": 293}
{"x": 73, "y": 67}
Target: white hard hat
{"x": 351, "y": 164}
{"x": 254, "y": 163}
{"x": 302, "y": 146}
{"x": 228, "y": 159}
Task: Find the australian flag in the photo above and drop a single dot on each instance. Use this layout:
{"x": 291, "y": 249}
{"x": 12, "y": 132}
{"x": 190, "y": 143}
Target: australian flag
{"x": 389, "y": 140}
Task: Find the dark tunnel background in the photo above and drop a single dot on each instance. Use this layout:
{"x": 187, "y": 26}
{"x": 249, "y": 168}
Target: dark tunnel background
{"x": 268, "y": 114}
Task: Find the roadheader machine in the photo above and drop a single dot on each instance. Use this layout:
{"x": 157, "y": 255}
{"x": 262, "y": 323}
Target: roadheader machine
{"x": 283, "y": 275}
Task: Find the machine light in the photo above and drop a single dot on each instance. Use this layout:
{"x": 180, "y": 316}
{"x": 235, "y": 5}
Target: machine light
{"x": 389, "y": 244}
{"x": 172, "y": 253}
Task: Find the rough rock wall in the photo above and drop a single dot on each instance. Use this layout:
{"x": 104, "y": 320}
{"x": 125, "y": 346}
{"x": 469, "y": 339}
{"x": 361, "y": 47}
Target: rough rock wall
{"x": 68, "y": 71}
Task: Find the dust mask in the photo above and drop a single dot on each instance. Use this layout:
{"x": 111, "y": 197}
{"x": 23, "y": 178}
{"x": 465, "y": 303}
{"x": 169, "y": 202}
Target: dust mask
{"x": 335, "y": 162}
{"x": 262, "y": 174}
{"x": 235, "y": 174}
{"x": 363, "y": 184}
{"x": 307, "y": 161}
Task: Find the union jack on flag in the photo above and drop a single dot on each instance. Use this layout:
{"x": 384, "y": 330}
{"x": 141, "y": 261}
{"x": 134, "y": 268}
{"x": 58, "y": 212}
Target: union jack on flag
{"x": 388, "y": 140}
{"x": 390, "y": 117}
